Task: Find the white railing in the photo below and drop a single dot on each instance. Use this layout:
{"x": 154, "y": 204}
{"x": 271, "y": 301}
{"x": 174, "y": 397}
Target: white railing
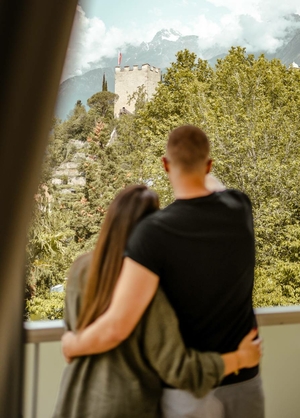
{"x": 278, "y": 315}
{"x": 38, "y": 332}
{"x": 279, "y": 326}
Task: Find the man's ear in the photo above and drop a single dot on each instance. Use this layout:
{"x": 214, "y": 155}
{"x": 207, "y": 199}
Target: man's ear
{"x": 165, "y": 164}
{"x": 208, "y": 166}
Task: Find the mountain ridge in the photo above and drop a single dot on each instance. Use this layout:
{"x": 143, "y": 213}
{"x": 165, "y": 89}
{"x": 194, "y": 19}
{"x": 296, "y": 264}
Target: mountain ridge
{"x": 159, "y": 52}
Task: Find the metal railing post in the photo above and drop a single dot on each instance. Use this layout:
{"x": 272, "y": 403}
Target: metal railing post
{"x": 35, "y": 380}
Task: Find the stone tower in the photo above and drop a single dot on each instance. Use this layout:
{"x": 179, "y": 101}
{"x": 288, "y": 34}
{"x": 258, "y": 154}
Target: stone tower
{"x": 127, "y": 81}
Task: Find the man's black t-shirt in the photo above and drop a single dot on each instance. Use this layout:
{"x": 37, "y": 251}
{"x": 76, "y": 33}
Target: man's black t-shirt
{"x": 203, "y": 251}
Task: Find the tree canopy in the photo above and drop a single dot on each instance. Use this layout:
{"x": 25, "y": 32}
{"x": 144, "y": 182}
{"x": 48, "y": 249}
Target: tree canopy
{"x": 249, "y": 108}
{"x": 102, "y": 103}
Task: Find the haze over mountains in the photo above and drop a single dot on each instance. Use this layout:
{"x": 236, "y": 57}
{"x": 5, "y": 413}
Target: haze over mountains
{"x": 160, "y": 52}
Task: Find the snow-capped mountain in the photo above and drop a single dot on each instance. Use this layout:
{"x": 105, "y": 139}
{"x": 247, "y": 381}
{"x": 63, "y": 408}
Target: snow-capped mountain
{"x": 290, "y": 53}
{"x": 159, "y": 52}
{"x": 168, "y": 35}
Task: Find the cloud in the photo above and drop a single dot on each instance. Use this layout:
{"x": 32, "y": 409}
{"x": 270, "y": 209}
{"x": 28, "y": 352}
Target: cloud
{"x": 257, "y": 8}
{"x": 256, "y": 24}
{"x": 91, "y": 40}
{"x": 156, "y": 12}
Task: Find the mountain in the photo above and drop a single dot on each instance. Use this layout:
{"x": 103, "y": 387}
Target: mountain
{"x": 82, "y": 88}
{"x": 159, "y": 52}
{"x": 291, "y": 52}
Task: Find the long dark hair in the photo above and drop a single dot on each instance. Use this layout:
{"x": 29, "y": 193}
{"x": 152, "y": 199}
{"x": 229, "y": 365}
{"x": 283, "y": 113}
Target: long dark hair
{"x": 128, "y": 208}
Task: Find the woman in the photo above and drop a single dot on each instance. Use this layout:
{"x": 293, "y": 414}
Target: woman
{"x": 128, "y": 381}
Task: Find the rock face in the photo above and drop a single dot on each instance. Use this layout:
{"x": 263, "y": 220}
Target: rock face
{"x": 67, "y": 169}
{"x": 68, "y": 174}
{"x": 291, "y": 52}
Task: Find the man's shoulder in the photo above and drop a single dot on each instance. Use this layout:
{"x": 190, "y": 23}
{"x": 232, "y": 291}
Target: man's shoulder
{"x": 154, "y": 220}
{"x": 235, "y": 192}
{"x": 235, "y": 195}
{"x": 149, "y": 223}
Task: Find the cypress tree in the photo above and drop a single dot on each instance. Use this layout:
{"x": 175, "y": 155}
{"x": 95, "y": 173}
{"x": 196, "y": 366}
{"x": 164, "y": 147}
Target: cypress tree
{"x": 104, "y": 83}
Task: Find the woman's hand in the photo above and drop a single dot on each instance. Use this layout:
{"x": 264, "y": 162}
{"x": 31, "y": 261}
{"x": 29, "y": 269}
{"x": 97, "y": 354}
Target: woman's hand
{"x": 249, "y": 350}
{"x": 67, "y": 342}
{"x": 247, "y": 355}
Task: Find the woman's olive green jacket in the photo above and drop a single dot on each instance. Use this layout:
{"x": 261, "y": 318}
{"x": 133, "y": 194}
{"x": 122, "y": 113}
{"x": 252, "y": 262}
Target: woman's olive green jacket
{"x": 127, "y": 382}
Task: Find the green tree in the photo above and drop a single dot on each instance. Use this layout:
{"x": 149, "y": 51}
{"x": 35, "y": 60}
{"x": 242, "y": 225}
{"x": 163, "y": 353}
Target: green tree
{"x": 104, "y": 83}
{"x": 65, "y": 225}
{"x": 103, "y": 103}
{"x": 46, "y": 307}
{"x": 78, "y": 125}
{"x": 249, "y": 107}
{"x": 50, "y": 248}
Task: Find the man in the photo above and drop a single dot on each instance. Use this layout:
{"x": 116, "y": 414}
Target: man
{"x": 201, "y": 251}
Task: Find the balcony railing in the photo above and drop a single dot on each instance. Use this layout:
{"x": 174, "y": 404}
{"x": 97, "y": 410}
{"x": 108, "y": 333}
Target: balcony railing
{"x": 279, "y": 327}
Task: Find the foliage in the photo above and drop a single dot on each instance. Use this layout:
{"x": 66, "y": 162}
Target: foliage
{"x": 46, "y": 307}
{"x": 50, "y": 248}
{"x": 249, "y": 107}
{"x": 139, "y": 98}
{"x": 102, "y": 103}
{"x": 104, "y": 83}
{"x": 67, "y": 224}
{"x": 104, "y": 178}
{"x": 79, "y": 124}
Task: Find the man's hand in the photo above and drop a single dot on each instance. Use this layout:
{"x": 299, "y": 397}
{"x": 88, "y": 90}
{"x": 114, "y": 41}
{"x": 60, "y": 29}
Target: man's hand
{"x": 67, "y": 342}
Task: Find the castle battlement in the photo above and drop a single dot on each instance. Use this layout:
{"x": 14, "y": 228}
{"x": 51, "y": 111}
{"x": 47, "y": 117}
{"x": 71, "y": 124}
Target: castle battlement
{"x": 129, "y": 79}
{"x": 144, "y": 67}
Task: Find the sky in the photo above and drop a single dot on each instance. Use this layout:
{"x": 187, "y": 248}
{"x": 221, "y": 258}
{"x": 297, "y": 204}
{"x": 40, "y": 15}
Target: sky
{"x": 102, "y": 27}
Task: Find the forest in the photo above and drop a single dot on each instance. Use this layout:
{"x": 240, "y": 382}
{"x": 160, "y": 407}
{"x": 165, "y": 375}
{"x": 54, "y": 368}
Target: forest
{"x": 249, "y": 107}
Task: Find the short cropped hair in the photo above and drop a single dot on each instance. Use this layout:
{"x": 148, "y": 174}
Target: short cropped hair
{"x": 188, "y": 147}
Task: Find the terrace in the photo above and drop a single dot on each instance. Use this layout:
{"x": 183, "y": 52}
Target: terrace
{"x": 36, "y": 36}
{"x": 279, "y": 327}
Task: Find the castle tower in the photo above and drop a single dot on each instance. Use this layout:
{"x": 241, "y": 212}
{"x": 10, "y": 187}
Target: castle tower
{"x": 127, "y": 81}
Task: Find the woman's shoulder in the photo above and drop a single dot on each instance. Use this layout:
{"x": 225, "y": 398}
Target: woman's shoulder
{"x": 83, "y": 259}
{"x": 79, "y": 269}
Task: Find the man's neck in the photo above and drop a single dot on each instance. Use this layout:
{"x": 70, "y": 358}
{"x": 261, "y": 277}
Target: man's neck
{"x": 189, "y": 188}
